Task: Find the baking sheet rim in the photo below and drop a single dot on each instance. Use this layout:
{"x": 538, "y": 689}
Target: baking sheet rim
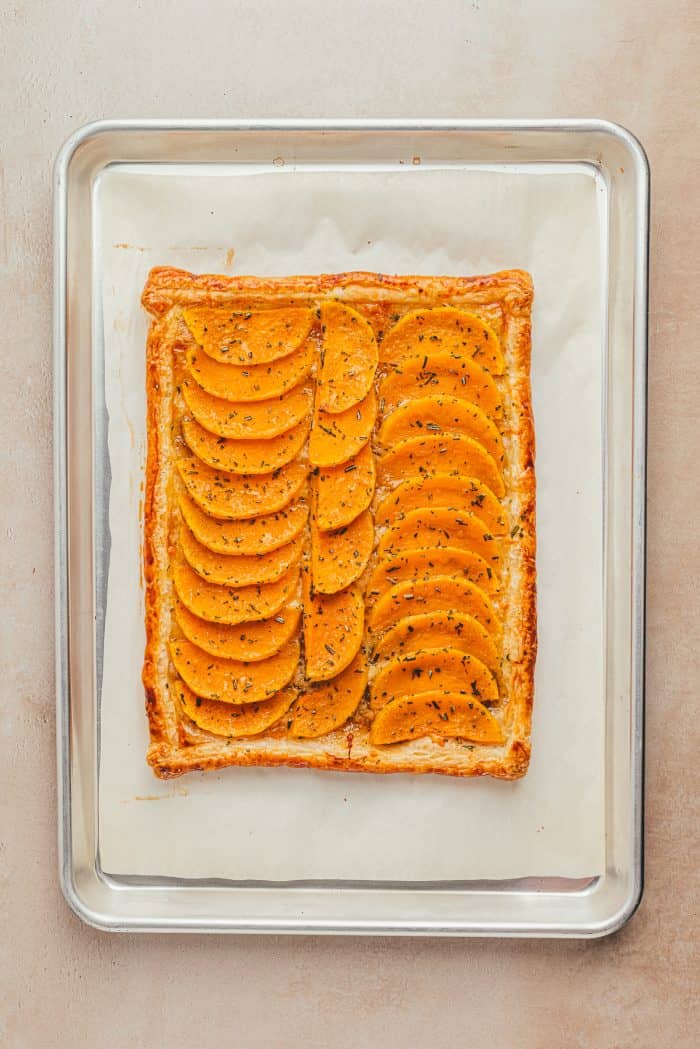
{"x": 61, "y": 187}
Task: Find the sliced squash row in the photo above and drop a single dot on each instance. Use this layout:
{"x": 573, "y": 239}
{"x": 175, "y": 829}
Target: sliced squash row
{"x": 342, "y": 529}
{"x": 432, "y": 597}
{"x": 248, "y": 399}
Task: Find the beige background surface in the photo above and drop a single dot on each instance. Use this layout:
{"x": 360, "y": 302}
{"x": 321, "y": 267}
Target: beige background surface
{"x": 63, "y": 62}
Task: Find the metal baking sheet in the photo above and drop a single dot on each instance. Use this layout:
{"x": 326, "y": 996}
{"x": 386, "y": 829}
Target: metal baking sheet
{"x": 534, "y": 906}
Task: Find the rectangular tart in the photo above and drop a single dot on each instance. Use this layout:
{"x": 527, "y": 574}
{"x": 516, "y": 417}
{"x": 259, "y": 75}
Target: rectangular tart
{"x": 339, "y": 523}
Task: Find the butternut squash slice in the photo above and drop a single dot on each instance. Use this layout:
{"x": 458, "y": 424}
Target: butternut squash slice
{"x": 426, "y": 562}
{"x": 244, "y": 420}
{"x": 441, "y": 527}
{"x": 349, "y": 358}
{"x": 343, "y": 492}
{"x": 234, "y": 497}
{"x": 229, "y": 680}
{"x": 232, "y": 605}
{"x": 443, "y": 490}
{"x": 327, "y": 706}
{"x": 239, "y": 569}
{"x": 257, "y": 535}
{"x": 339, "y": 558}
{"x": 440, "y": 454}
{"x": 442, "y": 415}
{"x": 249, "y": 642}
{"x": 444, "y": 329}
{"x": 430, "y": 373}
{"x": 439, "y": 628}
{"x": 249, "y": 337}
{"x": 234, "y": 720}
{"x": 439, "y": 594}
{"x": 440, "y": 714}
{"x": 251, "y": 382}
{"x": 337, "y": 438}
{"x": 333, "y": 629}
{"x": 248, "y": 456}
{"x": 438, "y": 669}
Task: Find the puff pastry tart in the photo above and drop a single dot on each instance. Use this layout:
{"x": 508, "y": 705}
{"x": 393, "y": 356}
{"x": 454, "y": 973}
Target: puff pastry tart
{"x": 340, "y": 523}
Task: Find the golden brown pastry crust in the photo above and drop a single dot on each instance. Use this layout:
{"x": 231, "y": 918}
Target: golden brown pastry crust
{"x": 504, "y": 300}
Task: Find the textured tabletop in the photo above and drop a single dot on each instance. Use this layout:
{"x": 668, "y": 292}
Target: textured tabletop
{"x": 63, "y": 63}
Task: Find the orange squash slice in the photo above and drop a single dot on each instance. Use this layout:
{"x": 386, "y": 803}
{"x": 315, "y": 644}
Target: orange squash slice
{"x": 337, "y": 438}
{"x": 249, "y": 642}
{"x": 253, "y": 382}
{"x": 339, "y": 558}
{"x": 441, "y": 714}
{"x": 441, "y": 527}
{"x": 244, "y": 457}
{"x": 434, "y": 669}
{"x": 441, "y": 454}
{"x": 343, "y": 492}
{"x": 257, "y": 535}
{"x": 444, "y": 490}
{"x": 234, "y": 719}
{"x": 444, "y": 329}
{"x": 251, "y": 337}
{"x": 431, "y": 373}
{"x": 327, "y": 706}
{"x": 429, "y": 629}
{"x": 243, "y": 421}
{"x": 229, "y": 680}
{"x": 232, "y": 605}
{"x": 349, "y": 358}
{"x": 426, "y": 562}
{"x": 333, "y": 629}
{"x": 440, "y": 415}
{"x": 239, "y": 569}
{"x": 234, "y": 497}
{"x": 439, "y": 594}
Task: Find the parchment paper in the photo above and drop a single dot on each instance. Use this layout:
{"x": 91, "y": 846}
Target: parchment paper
{"x": 281, "y": 824}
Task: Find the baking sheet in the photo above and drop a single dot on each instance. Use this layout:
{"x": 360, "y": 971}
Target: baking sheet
{"x": 282, "y": 824}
